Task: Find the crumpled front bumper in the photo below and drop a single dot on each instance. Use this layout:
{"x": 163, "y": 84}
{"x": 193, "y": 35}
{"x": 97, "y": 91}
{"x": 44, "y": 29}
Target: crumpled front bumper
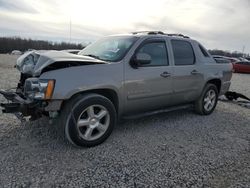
{"x": 19, "y": 106}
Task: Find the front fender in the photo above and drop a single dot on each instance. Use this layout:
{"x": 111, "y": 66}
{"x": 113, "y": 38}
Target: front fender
{"x": 72, "y": 80}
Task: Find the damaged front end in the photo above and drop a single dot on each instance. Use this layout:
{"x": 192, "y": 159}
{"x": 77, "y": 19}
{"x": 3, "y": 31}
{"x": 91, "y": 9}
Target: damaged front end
{"x": 29, "y": 100}
{"x": 32, "y": 94}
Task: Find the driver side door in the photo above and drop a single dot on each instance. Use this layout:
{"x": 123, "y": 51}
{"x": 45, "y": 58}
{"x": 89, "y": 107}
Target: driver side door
{"x": 149, "y": 86}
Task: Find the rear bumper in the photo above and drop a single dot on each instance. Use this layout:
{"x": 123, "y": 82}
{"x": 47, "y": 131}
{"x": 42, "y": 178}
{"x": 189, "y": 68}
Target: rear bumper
{"x": 225, "y": 87}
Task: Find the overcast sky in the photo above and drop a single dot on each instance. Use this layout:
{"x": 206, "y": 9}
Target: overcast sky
{"x": 221, "y": 24}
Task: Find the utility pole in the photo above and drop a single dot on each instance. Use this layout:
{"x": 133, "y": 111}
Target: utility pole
{"x": 243, "y": 50}
{"x": 70, "y": 25}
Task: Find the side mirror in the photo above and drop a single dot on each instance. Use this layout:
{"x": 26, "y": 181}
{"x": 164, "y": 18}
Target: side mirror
{"x": 140, "y": 59}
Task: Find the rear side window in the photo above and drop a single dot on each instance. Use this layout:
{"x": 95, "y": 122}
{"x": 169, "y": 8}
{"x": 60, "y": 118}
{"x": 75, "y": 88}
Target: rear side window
{"x": 157, "y": 51}
{"x": 203, "y": 51}
{"x": 183, "y": 52}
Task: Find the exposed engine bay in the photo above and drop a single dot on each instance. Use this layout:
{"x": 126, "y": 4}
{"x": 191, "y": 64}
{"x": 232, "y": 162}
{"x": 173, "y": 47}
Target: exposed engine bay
{"x": 35, "y": 63}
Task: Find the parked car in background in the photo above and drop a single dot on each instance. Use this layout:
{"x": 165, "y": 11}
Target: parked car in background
{"x": 242, "y": 67}
{"x": 16, "y": 52}
{"x": 233, "y": 59}
{"x": 221, "y": 59}
{"x": 243, "y": 59}
{"x": 30, "y": 50}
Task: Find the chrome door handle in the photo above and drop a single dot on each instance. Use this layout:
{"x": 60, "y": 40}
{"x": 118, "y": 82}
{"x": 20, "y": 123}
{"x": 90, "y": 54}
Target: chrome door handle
{"x": 165, "y": 74}
{"x": 194, "y": 72}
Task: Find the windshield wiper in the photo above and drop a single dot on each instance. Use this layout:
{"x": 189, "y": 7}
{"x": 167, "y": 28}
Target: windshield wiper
{"x": 97, "y": 57}
{"x": 94, "y": 56}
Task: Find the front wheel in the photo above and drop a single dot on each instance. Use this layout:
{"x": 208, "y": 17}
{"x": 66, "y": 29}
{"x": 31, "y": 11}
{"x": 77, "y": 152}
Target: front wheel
{"x": 207, "y": 102}
{"x": 88, "y": 120}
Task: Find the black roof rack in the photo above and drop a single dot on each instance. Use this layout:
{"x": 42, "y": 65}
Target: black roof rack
{"x": 148, "y": 32}
{"x": 160, "y": 33}
{"x": 177, "y": 35}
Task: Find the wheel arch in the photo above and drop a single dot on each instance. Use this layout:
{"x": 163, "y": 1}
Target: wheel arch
{"x": 111, "y": 94}
{"x": 216, "y": 82}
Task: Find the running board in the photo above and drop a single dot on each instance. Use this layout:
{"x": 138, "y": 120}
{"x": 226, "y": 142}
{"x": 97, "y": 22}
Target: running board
{"x": 150, "y": 113}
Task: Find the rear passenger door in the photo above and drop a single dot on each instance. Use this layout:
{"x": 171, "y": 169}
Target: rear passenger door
{"x": 187, "y": 78}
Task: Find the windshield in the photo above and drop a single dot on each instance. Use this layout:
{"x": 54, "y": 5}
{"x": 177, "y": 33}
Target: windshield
{"x": 109, "y": 48}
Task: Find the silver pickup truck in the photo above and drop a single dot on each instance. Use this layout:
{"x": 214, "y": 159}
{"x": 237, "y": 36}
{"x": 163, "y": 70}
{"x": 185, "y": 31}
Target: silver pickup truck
{"x": 118, "y": 76}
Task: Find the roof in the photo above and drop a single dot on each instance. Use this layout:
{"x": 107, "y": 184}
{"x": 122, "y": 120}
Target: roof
{"x": 159, "y": 33}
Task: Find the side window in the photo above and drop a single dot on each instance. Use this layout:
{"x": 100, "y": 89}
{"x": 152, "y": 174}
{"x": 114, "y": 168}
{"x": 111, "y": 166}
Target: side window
{"x": 183, "y": 52}
{"x": 157, "y": 51}
{"x": 203, "y": 51}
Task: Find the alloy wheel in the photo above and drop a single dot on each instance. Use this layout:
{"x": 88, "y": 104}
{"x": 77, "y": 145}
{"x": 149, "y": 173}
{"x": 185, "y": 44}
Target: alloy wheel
{"x": 93, "y": 122}
{"x": 209, "y": 100}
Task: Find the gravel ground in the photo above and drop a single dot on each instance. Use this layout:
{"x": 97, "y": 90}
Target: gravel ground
{"x": 176, "y": 149}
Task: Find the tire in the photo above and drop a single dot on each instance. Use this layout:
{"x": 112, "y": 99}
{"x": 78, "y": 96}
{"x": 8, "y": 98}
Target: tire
{"x": 207, "y": 102}
{"x": 87, "y": 120}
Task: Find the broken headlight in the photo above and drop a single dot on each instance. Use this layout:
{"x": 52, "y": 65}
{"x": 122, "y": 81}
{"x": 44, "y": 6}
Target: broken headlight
{"x": 40, "y": 89}
{"x": 27, "y": 62}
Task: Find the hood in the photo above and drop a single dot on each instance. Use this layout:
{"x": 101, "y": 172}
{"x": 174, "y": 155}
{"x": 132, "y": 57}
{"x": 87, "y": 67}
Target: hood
{"x": 33, "y": 63}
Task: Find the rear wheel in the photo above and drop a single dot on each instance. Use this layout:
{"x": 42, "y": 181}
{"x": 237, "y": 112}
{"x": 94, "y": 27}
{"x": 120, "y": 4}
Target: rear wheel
{"x": 207, "y": 102}
{"x": 88, "y": 120}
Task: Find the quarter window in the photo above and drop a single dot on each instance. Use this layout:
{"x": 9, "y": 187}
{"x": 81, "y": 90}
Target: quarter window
{"x": 157, "y": 51}
{"x": 183, "y": 52}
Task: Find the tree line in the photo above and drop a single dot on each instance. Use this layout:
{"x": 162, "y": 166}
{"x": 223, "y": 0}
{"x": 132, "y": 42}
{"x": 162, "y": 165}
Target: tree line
{"x": 227, "y": 53}
{"x": 8, "y": 44}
